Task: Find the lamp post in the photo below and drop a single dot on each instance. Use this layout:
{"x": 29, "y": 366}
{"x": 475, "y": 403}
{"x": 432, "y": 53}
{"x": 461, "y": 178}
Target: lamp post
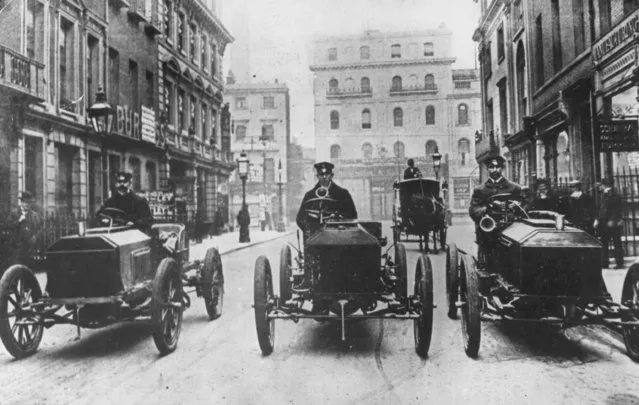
{"x": 243, "y": 216}
{"x": 101, "y": 115}
{"x": 281, "y": 227}
{"x": 437, "y": 163}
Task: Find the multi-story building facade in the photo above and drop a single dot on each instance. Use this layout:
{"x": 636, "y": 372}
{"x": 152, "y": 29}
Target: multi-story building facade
{"x": 262, "y": 129}
{"x": 381, "y": 98}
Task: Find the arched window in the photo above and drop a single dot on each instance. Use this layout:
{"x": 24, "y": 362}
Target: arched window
{"x": 367, "y": 150}
{"x": 364, "y": 52}
{"x": 430, "y": 115}
{"x": 431, "y": 147}
{"x": 336, "y": 152}
{"x": 334, "y": 120}
{"x": 398, "y": 117}
{"x": 240, "y": 132}
{"x": 462, "y": 114}
{"x": 332, "y": 85}
{"x": 136, "y": 172}
{"x": 396, "y": 83}
{"x": 151, "y": 176}
{"x": 429, "y": 82}
{"x": 366, "y": 85}
{"x": 521, "y": 83}
{"x": 463, "y": 148}
{"x": 168, "y": 10}
{"x": 268, "y": 132}
{"x": 366, "y": 118}
{"x": 398, "y": 149}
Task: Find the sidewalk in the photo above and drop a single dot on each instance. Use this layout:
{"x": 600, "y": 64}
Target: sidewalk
{"x": 229, "y": 242}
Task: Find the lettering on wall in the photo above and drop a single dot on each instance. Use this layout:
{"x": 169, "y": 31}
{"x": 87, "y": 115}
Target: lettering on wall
{"x": 127, "y": 122}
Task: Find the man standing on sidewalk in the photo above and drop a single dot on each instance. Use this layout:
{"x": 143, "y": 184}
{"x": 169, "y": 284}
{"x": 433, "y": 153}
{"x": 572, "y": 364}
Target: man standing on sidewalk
{"x": 609, "y": 222}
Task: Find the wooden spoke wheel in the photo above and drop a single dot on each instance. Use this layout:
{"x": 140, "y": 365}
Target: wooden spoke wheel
{"x": 286, "y": 273}
{"x": 423, "y": 326}
{"x": 263, "y": 300}
{"x": 630, "y": 298}
{"x": 167, "y": 306}
{"x": 471, "y": 307}
{"x": 213, "y": 283}
{"x": 452, "y": 280}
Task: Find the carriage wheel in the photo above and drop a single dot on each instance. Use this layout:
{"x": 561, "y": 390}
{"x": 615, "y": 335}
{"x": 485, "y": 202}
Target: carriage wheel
{"x": 452, "y": 280}
{"x": 21, "y": 333}
{"x": 442, "y": 237}
{"x": 213, "y": 283}
{"x": 263, "y": 299}
{"x": 630, "y": 298}
{"x": 285, "y": 273}
{"x": 166, "y": 306}
{"x": 471, "y": 307}
{"x": 401, "y": 271}
{"x": 423, "y": 326}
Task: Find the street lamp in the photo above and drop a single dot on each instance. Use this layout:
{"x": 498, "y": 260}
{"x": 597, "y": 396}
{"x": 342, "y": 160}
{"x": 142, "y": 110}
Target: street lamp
{"x": 243, "y": 169}
{"x": 437, "y": 163}
{"x": 281, "y": 227}
{"x": 101, "y": 115}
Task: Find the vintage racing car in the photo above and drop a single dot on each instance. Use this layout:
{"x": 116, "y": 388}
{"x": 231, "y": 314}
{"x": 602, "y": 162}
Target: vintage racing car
{"x": 343, "y": 274}
{"x": 419, "y": 210}
{"x": 105, "y": 275}
{"x": 539, "y": 269}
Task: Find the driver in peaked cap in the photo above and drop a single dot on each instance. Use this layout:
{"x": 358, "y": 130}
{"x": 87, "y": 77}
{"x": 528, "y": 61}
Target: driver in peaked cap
{"x": 136, "y": 208}
{"x": 343, "y": 204}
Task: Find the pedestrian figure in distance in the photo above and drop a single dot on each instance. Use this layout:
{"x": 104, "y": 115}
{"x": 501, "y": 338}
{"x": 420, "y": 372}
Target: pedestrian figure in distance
{"x": 545, "y": 199}
{"x": 411, "y": 171}
{"x": 27, "y": 222}
{"x": 581, "y": 208}
{"x": 609, "y": 222}
{"x": 244, "y": 220}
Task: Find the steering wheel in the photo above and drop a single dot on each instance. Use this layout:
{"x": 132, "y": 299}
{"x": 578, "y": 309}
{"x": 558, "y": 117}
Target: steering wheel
{"x": 506, "y": 202}
{"x": 325, "y": 201}
{"x": 110, "y": 216}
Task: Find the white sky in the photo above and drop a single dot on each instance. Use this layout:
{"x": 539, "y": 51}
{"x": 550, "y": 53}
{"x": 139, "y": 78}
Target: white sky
{"x": 281, "y": 32}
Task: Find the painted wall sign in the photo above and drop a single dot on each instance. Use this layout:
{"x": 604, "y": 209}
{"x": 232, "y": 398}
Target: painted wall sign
{"x": 148, "y": 124}
{"x": 127, "y": 122}
{"x": 618, "y": 37}
{"x": 618, "y": 135}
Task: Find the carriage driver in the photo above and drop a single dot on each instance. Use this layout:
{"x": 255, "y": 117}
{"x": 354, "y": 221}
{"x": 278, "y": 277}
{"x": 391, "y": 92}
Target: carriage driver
{"x": 344, "y": 205}
{"x": 124, "y": 199}
{"x": 496, "y": 184}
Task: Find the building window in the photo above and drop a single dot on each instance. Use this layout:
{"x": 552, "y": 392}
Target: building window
{"x": 193, "y": 43}
{"x": 268, "y": 132}
{"x": 133, "y": 85}
{"x": 213, "y": 126}
{"x": 430, "y": 148}
{"x": 462, "y": 114}
{"x": 65, "y": 155}
{"x": 193, "y": 115}
{"x": 488, "y": 60}
{"x": 429, "y": 82}
{"x": 579, "y": 25}
{"x": 463, "y": 148}
{"x": 169, "y": 109}
{"x": 181, "y": 32}
{"x": 367, "y": 150}
{"x": 399, "y": 149}
{"x": 136, "y": 172}
{"x": 332, "y": 85}
{"x": 428, "y": 49}
{"x": 334, "y": 120}
{"x": 398, "y": 117}
{"x": 539, "y": 51}
{"x": 365, "y": 84}
{"x": 336, "y": 152}
{"x": 204, "y": 118}
{"x": 364, "y": 52}
{"x": 204, "y": 46}
{"x": 151, "y": 176}
{"x": 213, "y": 59}
{"x": 556, "y": 36}
{"x": 150, "y": 85}
{"x": 67, "y": 64}
{"x": 33, "y": 167}
{"x": 113, "y": 92}
{"x": 268, "y": 102}
{"x": 332, "y": 53}
{"x": 629, "y": 6}
{"x": 520, "y": 76}
{"x": 181, "y": 110}
{"x": 503, "y": 106}
{"x": 35, "y": 30}
{"x": 430, "y": 115}
{"x": 240, "y": 103}
{"x": 605, "y": 16}
{"x": 396, "y": 51}
{"x": 396, "y": 83}
{"x": 93, "y": 68}
{"x": 167, "y": 12}
{"x": 366, "y": 118}
{"x": 490, "y": 122}
{"x": 240, "y": 132}
{"x": 501, "y": 51}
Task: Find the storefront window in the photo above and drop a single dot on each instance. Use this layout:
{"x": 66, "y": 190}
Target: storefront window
{"x": 625, "y": 106}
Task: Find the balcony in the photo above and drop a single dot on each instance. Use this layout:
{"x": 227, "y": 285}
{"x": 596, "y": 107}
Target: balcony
{"x": 21, "y": 78}
{"x": 410, "y": 90}
{"x": 137, "y": 12}
{"x": 336, "y": 92}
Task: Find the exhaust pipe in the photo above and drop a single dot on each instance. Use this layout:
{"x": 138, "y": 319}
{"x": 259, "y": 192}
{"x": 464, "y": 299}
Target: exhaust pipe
{"x": 487, "y": 224}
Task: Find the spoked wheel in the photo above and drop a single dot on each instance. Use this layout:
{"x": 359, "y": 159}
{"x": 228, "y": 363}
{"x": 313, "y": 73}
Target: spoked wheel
{"x": 401, "y": 271}
{"x": 263, "y": 300}
{"x": 166, "y": 306}
{"x": 471, "y": 307}
{"x": 286, "y": 273}
{"x": 423, "y": 326}
{"x": 213, "y": 283}
{"x": 630, "y": 298}
{"x": 20, "y": 330}
{"x": 452, "y": 280}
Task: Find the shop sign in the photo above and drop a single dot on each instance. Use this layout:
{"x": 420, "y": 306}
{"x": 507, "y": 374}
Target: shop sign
{"x": 618, "y": 136}
{"x": 148, "y": 124}
{"x": 461, "y": 186}
{"x": 618, "y": 37}
{"x": 127, "y": 122}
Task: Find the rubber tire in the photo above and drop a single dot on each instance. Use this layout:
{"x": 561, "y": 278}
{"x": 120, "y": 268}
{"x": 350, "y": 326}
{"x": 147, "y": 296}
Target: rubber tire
{"x": 213, "y": 283}
{"x": 10, "y": 279}
{"x": 167, "y": 272}
{"x": 452, "y": 279}
{"x": 401, "y": 271}
{"x": 628, "y": 293}
{"x": 423, "y": 327}
{"x": 471, "y": 310}
{"x": 262, "y": 299}
{"x": 285, "y": 273}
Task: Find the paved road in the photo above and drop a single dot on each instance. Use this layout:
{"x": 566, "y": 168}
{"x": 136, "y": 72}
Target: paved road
{"x": 220, "y": 362}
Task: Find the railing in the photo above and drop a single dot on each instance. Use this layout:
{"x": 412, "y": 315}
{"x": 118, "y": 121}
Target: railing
{"x": 21, "y": 73}
{"x": 349, "y": 92}
{"x": 417, "y": 89}
{"x": 462, "y": 85}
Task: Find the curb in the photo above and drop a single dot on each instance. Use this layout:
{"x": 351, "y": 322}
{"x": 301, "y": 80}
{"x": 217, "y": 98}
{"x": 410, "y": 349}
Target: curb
{"x": 251, "y": 244}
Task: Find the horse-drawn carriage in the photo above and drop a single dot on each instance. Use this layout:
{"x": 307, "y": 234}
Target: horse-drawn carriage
{"x": 105, "y": 275}
{"x": 419, "y": 210}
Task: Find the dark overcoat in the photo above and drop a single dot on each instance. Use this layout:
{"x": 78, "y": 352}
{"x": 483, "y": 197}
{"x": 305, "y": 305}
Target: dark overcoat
{"x": 479, "y": 200}
{"x": 136, "y": 208}
{"x": 344, "y": 205}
